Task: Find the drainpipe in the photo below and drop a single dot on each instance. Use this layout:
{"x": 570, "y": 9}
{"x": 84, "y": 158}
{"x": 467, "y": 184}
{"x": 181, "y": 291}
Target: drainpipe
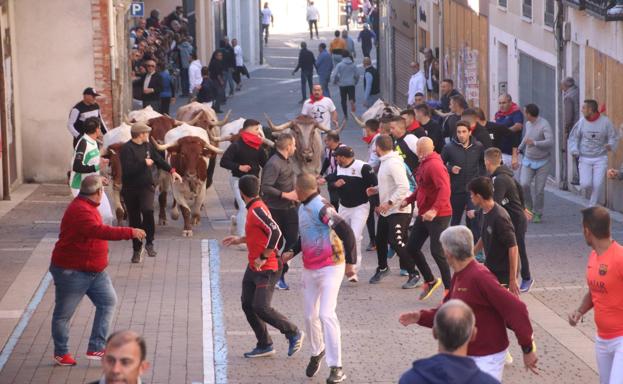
{"x": 561, "y": 155}
{"x": 442, "y": 69}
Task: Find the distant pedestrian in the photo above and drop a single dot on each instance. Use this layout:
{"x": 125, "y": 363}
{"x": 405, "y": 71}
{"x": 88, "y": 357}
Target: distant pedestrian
{"x": 604, "y": 277}
{"x": 346, "y": 77}
{"x": 330, "y": 165}
{"x": 367, "y": 38}
{"x": 591, "y": 139}
{"x": 152, "y": 86}
{"x": 417, "y": 83}
{"x": 84, "y": 109}
{"x": 217, "y": 74}
{"x": 258, "y": 284}
{"x": 336, "y": 47}
{"x": 167, "y": 96}
{"x": 571, "y": 115}
{"x": 454, "y": 327}
{"x": 267, "y": 21}
{"x": 229, "y": 64}
{"x": 321, "y": 108}
{"x": 125, "y": 358}
{"x": 350, "y": 44}
{"x": 306, "y": 64}
{"x": 185, "y": 49}
{"x": 371, "y": 83}
{"x": 536, "y": 146}
{"x": 240, "y": 68}
{"x": 79, "y": 260}
{"x": 209, "y": 91}
{"x": 431, "y": 81}
{"x": 312, "y": 19}
{"x": 195, "y": 77}
{"x": 324, "y": 67}
{"x": 511, "y": 117}
{"x": 494, "y": 307}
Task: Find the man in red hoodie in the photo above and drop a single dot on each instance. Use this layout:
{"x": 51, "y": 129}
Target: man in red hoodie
{"x": 432, "y": 195}
{"x": 78, "y": 265}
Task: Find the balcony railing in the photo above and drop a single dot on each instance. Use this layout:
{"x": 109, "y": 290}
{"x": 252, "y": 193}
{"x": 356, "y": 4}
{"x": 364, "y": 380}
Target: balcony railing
{"x": 608, "y": 10}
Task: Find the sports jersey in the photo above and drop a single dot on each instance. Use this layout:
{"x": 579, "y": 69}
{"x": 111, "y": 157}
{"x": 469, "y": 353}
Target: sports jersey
{"x": 604, "y": 275}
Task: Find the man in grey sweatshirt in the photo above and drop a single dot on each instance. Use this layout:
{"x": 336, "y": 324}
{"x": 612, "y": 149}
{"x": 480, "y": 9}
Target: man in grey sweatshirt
{"x": 536, "y": 146}
{"x": 346, "y": 77}
{"x": 591, "y": 139}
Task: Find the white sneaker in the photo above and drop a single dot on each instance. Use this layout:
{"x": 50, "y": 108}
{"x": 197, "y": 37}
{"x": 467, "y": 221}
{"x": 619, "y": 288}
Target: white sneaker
{"x": 354, "y": 279}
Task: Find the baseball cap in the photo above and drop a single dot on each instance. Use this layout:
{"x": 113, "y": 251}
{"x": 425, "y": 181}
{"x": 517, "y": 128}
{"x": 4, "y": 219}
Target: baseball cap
{"x": 344, "y": 151}
{"x": 90, "y": 91}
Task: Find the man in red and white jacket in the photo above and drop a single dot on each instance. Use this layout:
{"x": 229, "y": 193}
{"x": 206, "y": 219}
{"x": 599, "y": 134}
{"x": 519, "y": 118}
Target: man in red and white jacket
{"x": 258, "y": 284}
{"x": 432, "y": 196}
{"x": 78, "y": 265}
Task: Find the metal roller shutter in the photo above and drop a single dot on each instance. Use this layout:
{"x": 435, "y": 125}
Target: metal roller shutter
{"x": 404, "y": 54}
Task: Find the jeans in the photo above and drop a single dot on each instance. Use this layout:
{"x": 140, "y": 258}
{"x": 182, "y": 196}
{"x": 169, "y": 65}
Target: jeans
{"x": 140, "y": 206}
{"x": 540, "y": 178}
{"x": 306, "y": 81}
{"x": 323, "y": 80}
{"x": 241, "y": 216}
{"x": 70, "y": 287}
{"x": 313, "y": 23}
{"x": 492, "y": 364}
{"x": 257, "y": 293}
{"x": 394, "y": 230}
{"x": 422, "y": 230}
{"x": 320, "y": 290}
{"x": 609, "y": 359}
{"x": 356, "y": 217}
{"x": 288, "y": 222}
{"x": 593, "y": 176}
{"x": 228, "y": 76}
{"x": 265, "y": 32}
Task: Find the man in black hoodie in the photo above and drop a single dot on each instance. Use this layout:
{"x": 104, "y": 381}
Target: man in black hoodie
{"x": 306, "y": 63}
{"x": 454, "y": 327}
{"x": 508, "y": 193}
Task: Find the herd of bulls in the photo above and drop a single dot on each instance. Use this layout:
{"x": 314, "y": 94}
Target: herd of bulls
{"x": 191, "y": 142}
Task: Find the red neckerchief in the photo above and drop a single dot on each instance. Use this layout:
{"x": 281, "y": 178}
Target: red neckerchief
{"x": 472, "y": 128}
{"x": 253, "y": 141}
{"x": 594, "y": 117}
{"x": 415, "y": 125}
{"x": 313, "y": 100}
{"x": 368, "y": 139}
{"x": 514, "y": 108}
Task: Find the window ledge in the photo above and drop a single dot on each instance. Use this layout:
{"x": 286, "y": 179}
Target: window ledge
{"x": 526, "y": 19}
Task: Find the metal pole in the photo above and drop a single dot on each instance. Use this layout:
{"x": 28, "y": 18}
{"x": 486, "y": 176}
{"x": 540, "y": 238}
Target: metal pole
{"x": 259, "y": 6}
{"x": 442, "y": 73}
{"x": 561, "y": 154}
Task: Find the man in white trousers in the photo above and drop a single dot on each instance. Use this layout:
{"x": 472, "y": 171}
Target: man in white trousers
{"x": 351, "y": 180}
{"x": 328, "y": 246}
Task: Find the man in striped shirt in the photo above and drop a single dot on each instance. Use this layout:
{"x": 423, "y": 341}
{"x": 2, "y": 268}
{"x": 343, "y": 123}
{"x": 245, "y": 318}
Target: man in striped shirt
{"x": 86, "y": 108}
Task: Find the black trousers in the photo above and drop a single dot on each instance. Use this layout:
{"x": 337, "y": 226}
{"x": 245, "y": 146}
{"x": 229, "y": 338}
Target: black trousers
{"x": 370, "y": 224}
{"x": 461, "y": 202}
{"x": 265, "y": 32}
{"x": 394, "y": 230}
{"x": 313, "y": 23}
{"x": 257, "y": 294}
{"x": 347, "y": 92}
{"x": 366, "y": 50}
{"x": 155, "y": 104}
{"x": 520, "y": 236}
{"x": 306, "y": 82}
{"x": 165, "y": 104}
{"x": 288, "y": 222}
{"x": 140, "y": 206}
{"x": 421, "y": 231}
{"x": 334, "y": 198}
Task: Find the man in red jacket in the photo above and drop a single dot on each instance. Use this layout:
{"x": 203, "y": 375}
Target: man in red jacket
{"x": 493, "y": 305}
{"x": 262, "y": 235}
{"x": 432, "y": 196}
{"x": 78, "y": 265}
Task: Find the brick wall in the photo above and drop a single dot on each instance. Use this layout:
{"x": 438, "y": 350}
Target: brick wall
{"x": 101, "y": 57}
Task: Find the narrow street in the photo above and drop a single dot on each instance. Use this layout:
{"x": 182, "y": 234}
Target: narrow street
{"x": 186, "y": 301}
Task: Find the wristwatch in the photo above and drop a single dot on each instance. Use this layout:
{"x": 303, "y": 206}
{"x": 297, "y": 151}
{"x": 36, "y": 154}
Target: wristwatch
{"x": 389, "y": 202}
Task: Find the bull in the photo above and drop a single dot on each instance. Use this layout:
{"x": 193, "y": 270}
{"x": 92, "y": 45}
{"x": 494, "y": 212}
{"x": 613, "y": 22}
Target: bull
{"x": 378, "y": 110}
{"x": 113, "y": 140}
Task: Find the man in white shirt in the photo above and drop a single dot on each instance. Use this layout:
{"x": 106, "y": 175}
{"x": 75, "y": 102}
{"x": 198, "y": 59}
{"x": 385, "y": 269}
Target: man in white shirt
{"x": 321, "y": 108}
{"x": 194, "y": 74}
{"x": 417, "y": 83}
{"x": 312, "y": 19}
{"x": 267, "y": 20}
{"x": 240, "y": 69}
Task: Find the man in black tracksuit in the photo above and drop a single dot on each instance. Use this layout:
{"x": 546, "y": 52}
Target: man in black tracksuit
{"x": 306, "y": 63}
{"x": 405, "y": 144}
{"x": 508, "y": 193}
{"x": 464, "y": 158}
{"x": 478, "y": 131}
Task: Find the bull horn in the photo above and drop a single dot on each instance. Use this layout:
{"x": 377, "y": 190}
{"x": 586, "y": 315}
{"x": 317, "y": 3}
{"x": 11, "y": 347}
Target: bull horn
{"x": 274, "y": 127}
{"x": 214, "y": 149}
{"x": 322, "y": 127}
{"x": 223, "y": 138}
{"x": 341, "y": 127}
{"x": 358, "y": 120}
{"x": 196, "y": 118}
{"x": 104, "y": 151}
{"x": 161, "y": 147}
{"x": 126, "y": 119}
{"x": 220, "y": 123}
{"x": 268, "y": 142}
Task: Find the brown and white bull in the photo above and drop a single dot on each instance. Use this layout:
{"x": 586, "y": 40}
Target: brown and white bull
{"x": 376, "y": 111}
{"x": 113, "y": 140}
{"x": 189, "y": 151}
{"x": 309, "y": 148}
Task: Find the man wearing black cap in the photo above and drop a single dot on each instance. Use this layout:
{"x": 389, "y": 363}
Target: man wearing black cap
{"x": 138, "y": 157}
{"x": 86, "y": 108}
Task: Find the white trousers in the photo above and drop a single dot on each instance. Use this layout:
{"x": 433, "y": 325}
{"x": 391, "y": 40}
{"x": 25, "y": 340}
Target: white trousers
{"x": 356, "y": 217}
{"x": 491, "y": 364}
{"x": 320, "y": 290}
{"x": 241, "y": 216}
{"x": 593, "y": 176}
{"x": 609, "y": 360}
{"x": 103, "y": 208}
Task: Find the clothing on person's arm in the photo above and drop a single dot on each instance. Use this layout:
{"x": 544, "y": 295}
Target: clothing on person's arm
{"x": 78, "y": 165}
{"x": 330, "y": 217}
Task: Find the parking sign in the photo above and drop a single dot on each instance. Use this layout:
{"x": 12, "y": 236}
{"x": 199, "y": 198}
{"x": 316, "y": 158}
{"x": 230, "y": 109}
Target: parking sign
{"x": 137, "y": 9}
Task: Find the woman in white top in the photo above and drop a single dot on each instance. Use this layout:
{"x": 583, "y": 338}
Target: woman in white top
{"x": 240, "y": 68}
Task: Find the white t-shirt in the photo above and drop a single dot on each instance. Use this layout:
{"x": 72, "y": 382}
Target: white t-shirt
{"x": 312, "y": 13}
{"x": 239, "y": 57}
{"x": 266, "y": 16}
{"x": 320, "y": 110}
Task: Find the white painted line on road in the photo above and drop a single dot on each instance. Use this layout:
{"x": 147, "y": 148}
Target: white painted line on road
{"x": 558, "y": 288}
{"x": 17, "y": 196}
{"x": 47, "y": 222}
{"x": 11, "y": 314}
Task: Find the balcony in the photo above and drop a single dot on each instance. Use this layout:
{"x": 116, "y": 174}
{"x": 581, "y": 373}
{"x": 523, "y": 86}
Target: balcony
{"x": 607, "y": 10}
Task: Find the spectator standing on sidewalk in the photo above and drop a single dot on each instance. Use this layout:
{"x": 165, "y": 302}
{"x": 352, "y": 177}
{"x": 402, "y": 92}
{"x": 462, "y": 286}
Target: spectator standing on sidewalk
{"x": 229, "y": 64}
{"x": 367, "y": 38}
{"x": 167, "y": 96}
{"x": 447, "y": 91}
{"x": 510, "y": 116}
{"x": 346, "y": 77}
{"x": 604, "y": 276}
{"x": 244, "y": 156}
{"x": 151, "y": 82}
{"x": 194, "y": 74}
{"x": 79, "y": 260}
{"x": 267, "y": 21}
{"x": 536, "y": 147}
{"x": 312, "y": 19}
{"x": 336, "y": 47}
{"x": 306, "y": 64}
{"x": 209, "y": 91}
{"x": 371, "y": 83}
{"x": 240, "y": 68}
{"x": 217, "y": 70}
{"x": 262, "y": 236}
{"x": 417, "y": 83}
{"x": 571, "y": 115}
{"x": 591, "y": 139}
{"x": 86, "y": 108}
{"x": 185, "y": 49}
{"x": 324, "y": 67}
{"x": 494, "y": 307}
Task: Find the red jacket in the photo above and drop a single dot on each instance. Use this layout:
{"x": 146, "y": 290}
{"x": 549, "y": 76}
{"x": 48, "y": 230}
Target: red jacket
{"x": 494, "y": 306}
{"x": 82, "y": 244}
{"x": 432, "y": 187}
{"x": 262, "y": 233}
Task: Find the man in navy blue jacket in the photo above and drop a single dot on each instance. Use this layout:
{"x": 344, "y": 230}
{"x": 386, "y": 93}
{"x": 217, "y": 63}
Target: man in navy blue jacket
{"x": 324, "y": 66}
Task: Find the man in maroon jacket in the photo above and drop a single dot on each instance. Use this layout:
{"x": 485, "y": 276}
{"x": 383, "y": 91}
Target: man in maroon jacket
{"x": 432, "y": 195}
{"x": 78, "y": 262}
{"x": 494, "y": 306}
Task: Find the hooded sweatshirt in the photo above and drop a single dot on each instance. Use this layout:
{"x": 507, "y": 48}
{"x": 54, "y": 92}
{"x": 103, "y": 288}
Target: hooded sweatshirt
{"x": 444, "y": 368}
{"x": 346, "y": 73}
{"x": 589, "y": 138}
{"x": 508, "y": 193}
{"x": 393, "y": 183}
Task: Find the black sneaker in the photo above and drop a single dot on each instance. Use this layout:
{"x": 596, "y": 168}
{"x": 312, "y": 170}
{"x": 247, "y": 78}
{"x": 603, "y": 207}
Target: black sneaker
{"x": 336, "y": 376}
{"x": 379, "y": 275}
{"x": 137, "y": 256}
{"x": 413, "y": 282}
{"x": 314, "y": 365}
{"x": 151, "y": 252}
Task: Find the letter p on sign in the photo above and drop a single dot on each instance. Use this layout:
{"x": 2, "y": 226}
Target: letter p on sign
{"x": 137, "y": 9}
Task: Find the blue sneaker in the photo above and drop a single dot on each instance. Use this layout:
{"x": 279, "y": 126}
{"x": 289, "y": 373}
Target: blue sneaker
{"x": 296, "y": 342}
{"x": 390, "y": 253}
{"x": 403, "y": 272}
{"x": 526, "y": 285}
{"x": 480, "y": 257}
{"x": 260, "y": 352}
{"x": 281, "y": 285}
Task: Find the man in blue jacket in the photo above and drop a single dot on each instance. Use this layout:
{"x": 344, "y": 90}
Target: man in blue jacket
{"x": 324, "y": 66}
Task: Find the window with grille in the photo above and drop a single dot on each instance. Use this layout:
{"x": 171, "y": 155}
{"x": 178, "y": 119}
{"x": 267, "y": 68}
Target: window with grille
{"x": 526, "y": 9}
{"x": 503, "y": 3}
{"x": 548, "y": 18}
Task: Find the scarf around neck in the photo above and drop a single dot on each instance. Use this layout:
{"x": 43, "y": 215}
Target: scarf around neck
{"x": 253, "y": 141}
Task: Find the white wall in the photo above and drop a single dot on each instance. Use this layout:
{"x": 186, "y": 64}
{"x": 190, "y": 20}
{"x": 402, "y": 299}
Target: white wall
{"x": 243, "y": 23}
{"x": 54, "y": 63}
{"x": 291, "y": 15}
